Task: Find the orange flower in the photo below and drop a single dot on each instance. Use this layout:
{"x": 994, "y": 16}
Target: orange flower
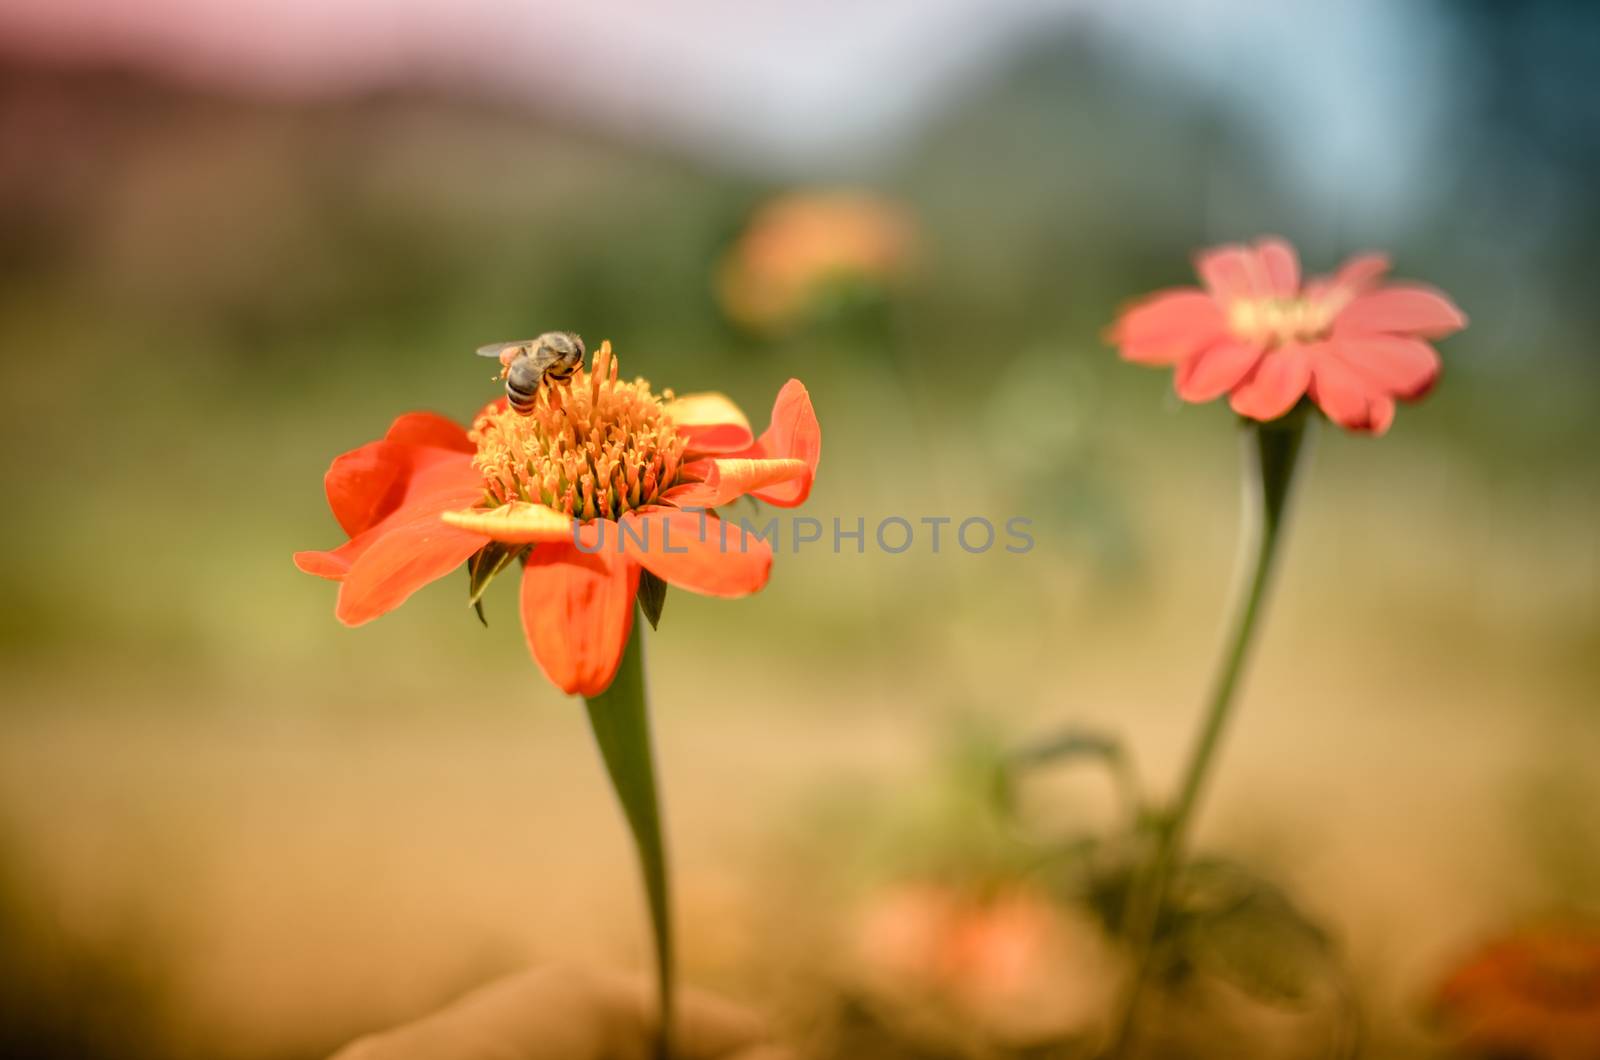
{"x": 1533, "y": 994}
{"x": 1005, "y": 961}
{"x": 602, "y": 480}
{"x": 1355, "y": 345}
{"x": 958, "y": 941}
{"x": 795, "y": 245}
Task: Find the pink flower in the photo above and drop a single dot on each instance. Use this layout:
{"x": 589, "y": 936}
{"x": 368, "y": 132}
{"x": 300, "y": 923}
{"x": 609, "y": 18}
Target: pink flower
{"x": 1352, "y": 343}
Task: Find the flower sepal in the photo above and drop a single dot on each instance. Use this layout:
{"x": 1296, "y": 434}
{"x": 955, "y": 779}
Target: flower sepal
{"x": 652, "y": 597}
{"x": 482, "y": 568}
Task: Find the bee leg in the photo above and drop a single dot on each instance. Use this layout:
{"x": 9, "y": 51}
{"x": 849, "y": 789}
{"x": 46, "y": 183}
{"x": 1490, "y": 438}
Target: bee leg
{"x": 555, "y": 399}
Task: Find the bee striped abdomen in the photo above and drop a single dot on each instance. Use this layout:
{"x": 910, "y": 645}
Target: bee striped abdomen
{"x": 523, "y": 381}
{"x": 553, "y": 357}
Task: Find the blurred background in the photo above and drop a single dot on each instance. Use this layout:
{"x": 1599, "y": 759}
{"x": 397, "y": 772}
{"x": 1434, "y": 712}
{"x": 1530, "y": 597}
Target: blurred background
{"x": 236, "y": 240}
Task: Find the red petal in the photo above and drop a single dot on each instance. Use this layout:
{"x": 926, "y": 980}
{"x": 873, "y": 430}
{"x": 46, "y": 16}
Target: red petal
{"x": 369, "y": 483}
{"x": 778, "y": 469}
{"x": 497, "y": 405}
{"x": 402, "y": 560}
{"x": 1279, "y": 380}
{"x": 1215, "y": 370}
{"x": 695, "y": 551}
{"x": 366, "y": 484}
{"x": 711, "y": 422}
{"x": 577, "y": 612}
{"x": 729, "y": 478}
{"x": 329, "y": 564}
{"x": 1405, "y": 368}
{"x": 794, "y": 434}
{"x": 432, "y": 429}
{"x": 447, "y": 482}
{"x": 1400, "y": 309}
{"x": 1168, "y": 326}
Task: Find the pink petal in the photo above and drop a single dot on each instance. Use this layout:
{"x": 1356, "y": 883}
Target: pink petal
{"x": 1400, "y": 309}
{"x": 1280, "y": 265}
{"x": 1215, "y": 370}
{"x": 1230, "y": 273}
{"x": 1382, "y": 416}
{"x": 1361, "y": 273}
{"x": 1403, "y": 367}
{"x": 1168, "y": 326}
{"x": 1347, "y": 397}
{"x": 1279, "y": 380}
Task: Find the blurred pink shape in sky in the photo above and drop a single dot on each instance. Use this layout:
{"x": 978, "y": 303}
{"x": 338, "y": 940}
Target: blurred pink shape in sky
{"x": 815, "y": 88}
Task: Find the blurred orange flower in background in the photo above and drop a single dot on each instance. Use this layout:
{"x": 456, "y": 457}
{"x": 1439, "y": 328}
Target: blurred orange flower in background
{"x": 1007, "y": 963}
{"x": 604, "y": 479}
{"x": 1355, "y": 345}
{"x": 797, "y": 245}
{"x": 1532, "y": 995}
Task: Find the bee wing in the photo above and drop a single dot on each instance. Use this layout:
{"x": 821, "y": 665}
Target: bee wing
{"x": 495, "y": 349}
{"x": 542, "y": 357}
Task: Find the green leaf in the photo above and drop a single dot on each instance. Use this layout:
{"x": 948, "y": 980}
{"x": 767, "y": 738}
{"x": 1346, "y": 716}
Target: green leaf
{"x": 652, "y": 596}
{"x": 488, "y": 561}
{"x": 1076, "y": 743}
{"x": 1099, "y": 873}
{"x": 1248, "y": 932}
{"x": 1071, "y": 742}
{"x": 621, "y": 724}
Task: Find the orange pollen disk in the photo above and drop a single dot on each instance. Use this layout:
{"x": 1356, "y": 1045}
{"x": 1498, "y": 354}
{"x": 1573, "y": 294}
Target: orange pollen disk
{"x": 1275, "y": 321}
{"x": 593, "y": 447}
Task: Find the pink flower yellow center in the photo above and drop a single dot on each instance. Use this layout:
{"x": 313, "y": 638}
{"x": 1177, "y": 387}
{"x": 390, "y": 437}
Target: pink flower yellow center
{"x": 1275, "y": 321}
{"x": 592, "y": 448}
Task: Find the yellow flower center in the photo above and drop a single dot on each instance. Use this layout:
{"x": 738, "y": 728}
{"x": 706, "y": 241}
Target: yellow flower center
{"x": 594, "y": 447}
{"x": 1275, "y": 321}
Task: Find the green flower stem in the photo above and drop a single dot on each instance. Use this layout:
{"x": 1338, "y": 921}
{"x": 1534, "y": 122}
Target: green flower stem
{"x": 1272, "y": 453}
{"x": 621, "y": 723}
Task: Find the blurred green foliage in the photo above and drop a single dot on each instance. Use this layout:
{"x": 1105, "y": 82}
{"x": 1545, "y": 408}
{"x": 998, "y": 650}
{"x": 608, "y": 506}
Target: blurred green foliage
{"x": 204, "y": 298}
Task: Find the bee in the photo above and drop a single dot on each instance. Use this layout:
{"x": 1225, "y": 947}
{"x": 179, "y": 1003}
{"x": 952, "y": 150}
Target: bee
{"x": 528, "y": 365}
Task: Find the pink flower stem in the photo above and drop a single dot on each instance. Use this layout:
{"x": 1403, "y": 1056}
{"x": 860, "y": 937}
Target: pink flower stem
{"x": 1272, "y": 454}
